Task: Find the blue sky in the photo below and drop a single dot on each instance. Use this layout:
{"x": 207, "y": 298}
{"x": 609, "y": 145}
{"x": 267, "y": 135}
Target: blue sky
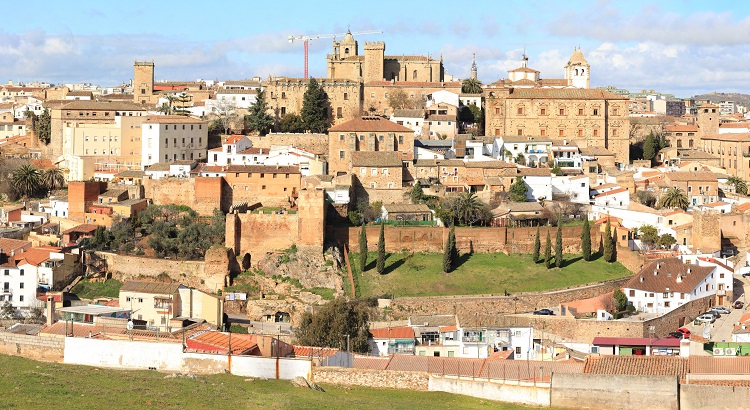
{"x": 683, "y": 47}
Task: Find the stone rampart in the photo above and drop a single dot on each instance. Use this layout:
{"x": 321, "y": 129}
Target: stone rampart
{"x": 372, "y": 378}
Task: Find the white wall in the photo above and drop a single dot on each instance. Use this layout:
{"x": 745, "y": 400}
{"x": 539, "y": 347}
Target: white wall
{"x": 124, "y": 354}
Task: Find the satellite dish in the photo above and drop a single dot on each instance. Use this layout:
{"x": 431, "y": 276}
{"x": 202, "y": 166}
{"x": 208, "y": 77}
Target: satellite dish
{"x": 706, "y": 332}
{"x": 130, "y": 325}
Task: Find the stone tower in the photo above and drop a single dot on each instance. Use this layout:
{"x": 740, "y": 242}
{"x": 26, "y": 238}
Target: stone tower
{"x": 374, "y": 58}
{"x": 473, "y": 66}
{"x": 577, "y": 70}
{"x": 708, "y": 119}
{"x": 143, "y": 81}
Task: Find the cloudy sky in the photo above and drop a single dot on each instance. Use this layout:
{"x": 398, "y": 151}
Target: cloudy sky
{"x": 682, "y": 47}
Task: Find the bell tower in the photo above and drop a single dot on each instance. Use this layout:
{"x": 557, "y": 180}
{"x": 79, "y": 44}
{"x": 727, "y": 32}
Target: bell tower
{"x": 577, "y": 70}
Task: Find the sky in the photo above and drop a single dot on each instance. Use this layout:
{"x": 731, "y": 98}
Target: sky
{"x": 682, "y": 47}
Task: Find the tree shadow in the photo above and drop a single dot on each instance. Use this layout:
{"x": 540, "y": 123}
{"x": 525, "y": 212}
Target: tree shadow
{"x": 395, "y": 265}
{"x": 463, "y": 258}
{"x": 371, "y": 264}
{"x": 568, "y": 262}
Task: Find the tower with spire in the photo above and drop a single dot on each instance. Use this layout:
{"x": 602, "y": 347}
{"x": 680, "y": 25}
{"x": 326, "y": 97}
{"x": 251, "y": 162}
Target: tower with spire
{"x": 474, "y": 66}
{"x": 577, "y": 70}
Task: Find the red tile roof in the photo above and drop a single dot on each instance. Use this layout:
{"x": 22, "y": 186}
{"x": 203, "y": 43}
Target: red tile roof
{"x": 637, "y": 365}
{"x": 405, "y": 332}
{"x": 314, "y": 351}
{"x": 369, "y": 124}
{"x": 83, "y": 228}
{"x": 35, "y": 256}
{"x": 219, "y": 342}
{"x": 612, "y": 192}
{"x": 668, "y": 270}
{"x": 233, "y": 139}
{"x": 681, "y": 128}
{"x": 720, "y": 365}
{"x": 8, "y": 246}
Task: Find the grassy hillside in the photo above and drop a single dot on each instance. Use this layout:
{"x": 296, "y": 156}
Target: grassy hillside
{"x": 422, "y": 274}
{"x": 90, "y": 290}
{"x": 37, "y": 385}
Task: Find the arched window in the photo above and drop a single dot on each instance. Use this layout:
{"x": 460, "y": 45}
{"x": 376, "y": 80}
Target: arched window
{"x": 346, "y": 50}
{"x": 414, "y": 75}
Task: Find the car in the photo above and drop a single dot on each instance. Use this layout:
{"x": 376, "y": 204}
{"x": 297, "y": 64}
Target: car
{"x": 721, "y": 309}
{"x": 675, "y": 335}
{"x": 685, "y": 332}
{"x": 746, "y": 274}
{"x": 545, "y": 312}
{"x": 738, "y": 304}
{"x": 714, "y": 313}
{"x": 705, "y": 318}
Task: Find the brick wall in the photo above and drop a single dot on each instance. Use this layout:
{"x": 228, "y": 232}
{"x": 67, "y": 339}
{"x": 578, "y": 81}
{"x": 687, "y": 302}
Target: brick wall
{"x": 372, "y": 378}
{"x": 309, "y": 142}
{"x": 48, "y": 349}
{"x": 201, "y": 194}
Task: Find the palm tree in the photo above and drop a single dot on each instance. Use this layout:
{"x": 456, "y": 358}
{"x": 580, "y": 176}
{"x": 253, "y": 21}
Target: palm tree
{"x": 467, "y": 208}
{"x": 739, "y": 184}
{"x": 674, "y": 198}
{"x": 471, "y": 86}
{"x": 52, "y": 178}
{"x": 26, "y": 180}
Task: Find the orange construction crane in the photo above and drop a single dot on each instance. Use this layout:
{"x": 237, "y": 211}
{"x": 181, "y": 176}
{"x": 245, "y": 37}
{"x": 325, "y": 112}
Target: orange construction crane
{"x": 306, "y": 39}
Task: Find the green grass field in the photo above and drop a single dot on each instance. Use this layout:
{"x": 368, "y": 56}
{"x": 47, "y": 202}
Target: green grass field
{"x": 89, "y": 290}
{"x": 27, "y": 384}
{"x": 421, "y": 274}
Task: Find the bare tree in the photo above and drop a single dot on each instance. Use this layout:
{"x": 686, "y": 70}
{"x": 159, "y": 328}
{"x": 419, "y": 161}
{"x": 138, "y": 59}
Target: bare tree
{"x": 226, "y": 112}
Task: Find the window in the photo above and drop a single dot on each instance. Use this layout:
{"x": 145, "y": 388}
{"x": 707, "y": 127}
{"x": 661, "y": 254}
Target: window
{"x": 562, "y": 111}
{"x": 20, "y": 298}
{"x": 518, "y": 349}
{"x": 341, "y": 154}
{"x": 20, "y": 285}
{"x": 542, "y": 111}
{"x": 520, "y": 132}
{"x": 632, "y": 293}
{"x": 543, "y": 132}
{"x": 520, "y": 111}
{"x": 7, "y": 272}
{"x": 21, "y": 272}
{"x": 580, "y": 111}
{"x": 346, "y": 96}
{"x": 263, "y": 187}
{"x": 666, "y": 304}
{"x": 140, "y": 300}
{"x": 374, "y": 172}
{"x": 561, "y": 133}
{"x": 414, "y": 77}
{"x": 385, "y": 171}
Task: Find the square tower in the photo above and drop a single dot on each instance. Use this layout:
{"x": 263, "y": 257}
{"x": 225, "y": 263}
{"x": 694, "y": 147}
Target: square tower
{"x": 143, "y": 81}
{"x": 374, "y": 60}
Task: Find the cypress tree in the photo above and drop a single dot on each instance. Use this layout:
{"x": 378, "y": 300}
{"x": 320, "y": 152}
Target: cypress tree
{"x": 454, "y": 250}
{"x": 548, "y": 252}
{"x": 614, "y": 245}
{"x": 258, "y": 118}
{"x": 362, "y": 249}
{"x": 380, "y": 263}
{"x": 447, "y": 254}
{"x": 607, "y": 253}
{"x": 537, "y": 246}
{"x": 586, "y": 240}
{"x": 558, "y": 246}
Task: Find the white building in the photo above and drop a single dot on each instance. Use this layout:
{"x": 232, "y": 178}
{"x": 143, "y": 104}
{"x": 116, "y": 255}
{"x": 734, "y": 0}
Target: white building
{"x": 535, "y": 150}
{"x": 666, "y": 284}
{"x": 410, "y": 118}
{"x": 237, "y": 98}
{"x": 538, "y": 183}
{"x": 55, "y": 207}
{"x": 576, "y": 188}
{"x": 170, "y": 138}
{"x": 616, "y": 198}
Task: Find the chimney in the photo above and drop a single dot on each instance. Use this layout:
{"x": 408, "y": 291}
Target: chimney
{"x": 50, "y": 310}
{"x": 689, "y": 270}
{"x": 656, "y": 272}
{"x": 658, "y": 265}
{"x": 679, "y": 278}
{"x": 641, "y": 279}
{"x": 261, "y": 151}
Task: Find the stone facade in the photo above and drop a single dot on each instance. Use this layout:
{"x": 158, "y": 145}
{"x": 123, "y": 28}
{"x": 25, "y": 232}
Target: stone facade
{"x": 143, "y": 82}
{"x": 42, "y": 348}
{"x": 706, "y": 231}
{"x": 201, "y": 194}
{"x": 285, "y": 96}
{"x": 591, "y": 118}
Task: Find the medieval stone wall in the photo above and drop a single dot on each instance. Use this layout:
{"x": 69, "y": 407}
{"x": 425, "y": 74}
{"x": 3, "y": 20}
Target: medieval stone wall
{"x": 372, "y": 378}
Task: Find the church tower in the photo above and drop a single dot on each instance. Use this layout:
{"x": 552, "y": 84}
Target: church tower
{"x": 474, "y": 66}
{"x": 348, "y": 46}
{"x": 143, "y": 81}
{"x": 577, "y": 70}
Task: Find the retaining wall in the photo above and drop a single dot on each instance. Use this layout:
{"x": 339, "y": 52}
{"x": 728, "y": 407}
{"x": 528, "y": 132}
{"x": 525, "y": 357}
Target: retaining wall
{"x": 702, "y": 397}
{"x": 615, "y": 392}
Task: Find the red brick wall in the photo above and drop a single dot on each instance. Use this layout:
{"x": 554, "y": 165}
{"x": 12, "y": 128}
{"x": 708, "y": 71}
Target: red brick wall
{"x": 81, "y": 194}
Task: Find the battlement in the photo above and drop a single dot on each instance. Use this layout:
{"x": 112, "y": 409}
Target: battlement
{"x": 375, "y": 45}
{"x": 143, "y": 63}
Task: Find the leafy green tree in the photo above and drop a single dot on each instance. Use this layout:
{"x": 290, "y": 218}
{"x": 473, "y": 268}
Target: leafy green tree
{"x": 537, "y": 246}
{"x": 666, "y": 240}
{"x": 558, "y": 245}
{"x": 416, "y": 193}
{"x": 674, "y": 198}
{"x": 471, "y": 86}
{"x": 608, "y": 253}
{"x": 26, "y": 181}
{"x": 42, "y": 126}
{"x": 362, "y": 248}
{"x": 620, "y": 300}
{"x": 646, "y": 198}
{"x": 52, "y": 178}
{"x": 258, "y": 118}
{"x": 453, "y": 247}
{"x": 586, "y": 239}
{"x": 649, "y": 235}
{"x": 329, "y": 324}
{"x": 556, "y": 170}
{"x": 739, "y": 185}
{"x": 291, "y": 123}
{"x": 520, "y": 159}
{"x": 468, "y": 209}
{"x": 548, "y": 252}
{"x": 380, "y": 262}
{"x": 478, "y": 115}
{"x": 517, "y": 191}
{"x": 315, "y": 105}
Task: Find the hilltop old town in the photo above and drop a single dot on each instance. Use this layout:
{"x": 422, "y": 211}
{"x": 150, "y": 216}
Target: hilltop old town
{"x": 533, "y": 240}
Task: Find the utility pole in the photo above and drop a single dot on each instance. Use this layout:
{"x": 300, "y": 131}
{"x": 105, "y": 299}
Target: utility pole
{"x": 348, "y": 354}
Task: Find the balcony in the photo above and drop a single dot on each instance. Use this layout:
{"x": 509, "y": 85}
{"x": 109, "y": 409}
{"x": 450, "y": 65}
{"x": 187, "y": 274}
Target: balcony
{"x": 721, "y": 292}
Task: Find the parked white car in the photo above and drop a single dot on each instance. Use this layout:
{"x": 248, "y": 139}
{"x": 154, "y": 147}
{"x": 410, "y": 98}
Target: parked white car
{"x": 705, "y": 318}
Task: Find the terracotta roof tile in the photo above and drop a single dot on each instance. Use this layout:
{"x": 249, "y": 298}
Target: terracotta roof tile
{"x": 369, "y": 124}
{"x": 404, "y": 332}
{"x": 668, "y": 271}
{"x": 637, "y": 365}
{"x": 314, "y": 351}
{"x": 83, "y": 228}
{"x": 173, "y": 119}
{"x": 157, "y": 288}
